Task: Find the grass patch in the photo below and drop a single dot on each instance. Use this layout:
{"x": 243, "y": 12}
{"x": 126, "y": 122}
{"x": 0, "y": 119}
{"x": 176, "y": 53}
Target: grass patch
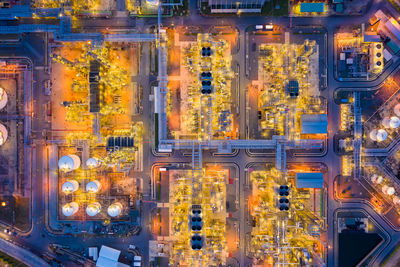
{"x": 6, "y": 260}
{"x": 205, "y": 8}
{"x": 269, "y": 8}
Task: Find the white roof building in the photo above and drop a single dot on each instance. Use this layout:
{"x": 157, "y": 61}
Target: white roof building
{"x": 108, "y": 257}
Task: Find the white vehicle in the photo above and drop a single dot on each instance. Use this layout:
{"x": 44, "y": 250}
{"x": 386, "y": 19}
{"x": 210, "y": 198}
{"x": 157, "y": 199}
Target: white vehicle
{"x": 132, "y": 247}
{"x": 259, "y": 27}
{"x": 269, "y": 27}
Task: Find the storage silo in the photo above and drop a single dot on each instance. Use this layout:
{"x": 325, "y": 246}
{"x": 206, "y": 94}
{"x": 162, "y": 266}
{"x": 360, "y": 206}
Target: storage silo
{"x": 3, "y": 134}
{"x": 396, "y": 110}
{"x": 92, "y": 163}
{"x": 376, "y": 179}
{"x": 372, "y": 134}
{"x": 93, "y": 209}
{"x": 388, "y": 190}
{"x": 114, "y": 209}
{"x": 70, "y": 186}
{"x": 381, "y": 135}
{"x": 69, "y": 163}
{"x": 386, "y": 122}
{"x": 3, "y": 98}
{"x": 394, "y": 122}
{"x": 70, "y": 209}
{"x": 93, "y": 186}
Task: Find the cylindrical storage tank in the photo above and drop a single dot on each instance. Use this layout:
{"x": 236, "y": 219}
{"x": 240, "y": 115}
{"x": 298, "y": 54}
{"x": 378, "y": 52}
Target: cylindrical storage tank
{"x": 3, "y": 134}
{"x": 385, "y": 122}
{"x": 372, "y": 134}
{"x": 69, "y": 163}
{"x": 93, "y": 209}
{"x": 396, "y": 110}
{"x": 396, "y": 200}
{"x": 381, "y": 135}
{"x": 70, "y": 209}
{"x": 152, "y": 2}
{"x": 92, "y": 163}
{"x": 70, "y": 186}
{"x": 388, "y": 190}
{"x": 3, "y": 98}
{"x": 114, "y": 209}
{"x": 394, "y": 122}
{"x": 93, "y": 186}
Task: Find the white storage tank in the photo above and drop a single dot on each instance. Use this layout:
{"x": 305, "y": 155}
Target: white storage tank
{"x": 388, "y": 190}
{"x": 114, "y": 209}
{"x": 3, "y": 98}
{"x": 93, "y": 186}
{"x": 376, "y": 179}
{"x": 381, "y": 135}
{"x": 70, "y": 186}
{"x": 3, "y": 134}
{"x": 69, "y": 163}
{"x": 386, "y": 122}
{"x": 396, "y": 110}
{"x": 372, "y": 134}
{"x": 70, "y": 209}
{"x": 93, "y": 209}
{"x": 152, "y": 2}
{"x": 394, "y": 122}
{"x": 396, "y": 200}
{"x": 92, "y": 163}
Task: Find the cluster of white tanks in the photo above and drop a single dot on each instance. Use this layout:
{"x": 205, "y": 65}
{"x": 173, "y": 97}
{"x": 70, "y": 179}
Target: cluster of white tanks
{"x": 71, "y": 186}
{"x": 3, "y": 103}
{"x": 393, "y": 122}
{"x": 387, "y": 190}
{"x": 92, "y": 209}
{"x": 72, "y": 162}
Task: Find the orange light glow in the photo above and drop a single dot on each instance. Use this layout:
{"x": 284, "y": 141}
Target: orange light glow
{"x": 3, "y": 204}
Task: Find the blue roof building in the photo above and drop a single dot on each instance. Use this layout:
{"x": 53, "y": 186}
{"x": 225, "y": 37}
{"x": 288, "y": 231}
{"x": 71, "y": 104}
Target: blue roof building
{"x": 312, "y": 7}
{"x": 314, "y": 124}
{"x": 309, "y": 180}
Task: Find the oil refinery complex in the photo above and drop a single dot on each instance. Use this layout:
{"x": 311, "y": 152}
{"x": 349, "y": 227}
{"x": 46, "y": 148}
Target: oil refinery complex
{"x": 199, "y": 133}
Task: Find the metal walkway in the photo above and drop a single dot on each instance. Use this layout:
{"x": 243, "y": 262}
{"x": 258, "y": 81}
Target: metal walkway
{"x": 357, "y": 142}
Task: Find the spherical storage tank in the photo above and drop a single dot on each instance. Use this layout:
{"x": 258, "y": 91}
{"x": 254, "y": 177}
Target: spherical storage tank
{"x": 396, "y": 110}
{"x": 70, "y": 186}
{"x": 93, "y": 209}
{"x": 114, "y": 209}
{"x": 372, "y": 134}
{"x": 152, "y": 2}
{"x": 388, "y": 190}
{"x": 381, "y": 135}
{"x": 3, "y": 98}
{"x": 396, "y": 200}
{"x": 394, "y": 122}
{"x": 93, "y": 186}
{"x": 386, "y": 122}
{"x": 69, "y": 163}
{"x": 3, "y": 134}
{"x": 376, "y": 179}
{"x": 70, "y": 209}
{"x": 92, "y": 163}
